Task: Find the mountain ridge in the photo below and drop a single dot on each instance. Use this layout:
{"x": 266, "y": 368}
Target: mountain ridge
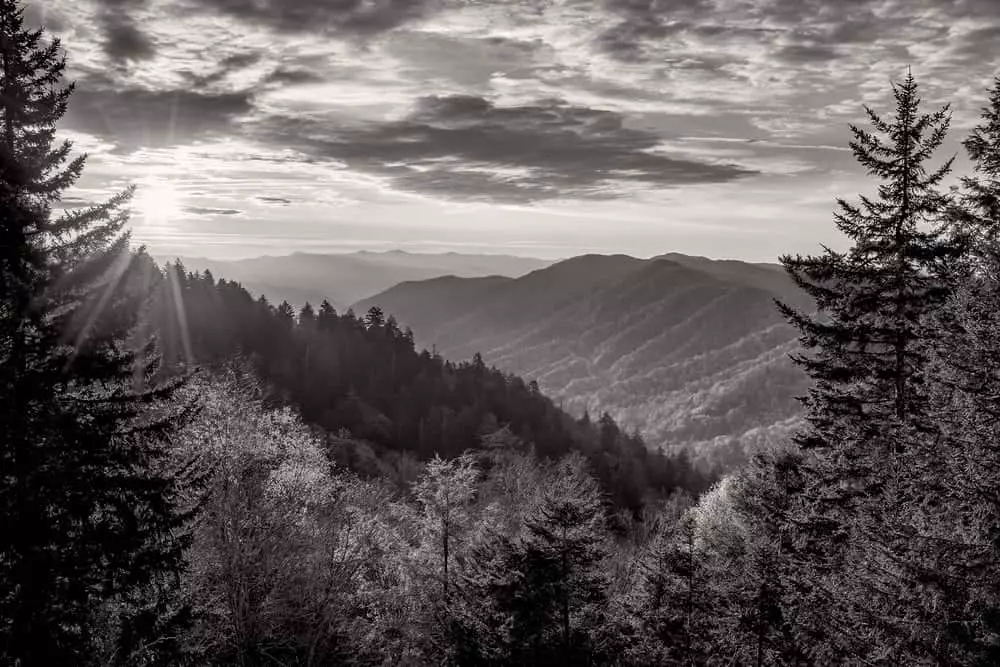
{"x": 690, "y": 351}
{"x": 343, "y": 278}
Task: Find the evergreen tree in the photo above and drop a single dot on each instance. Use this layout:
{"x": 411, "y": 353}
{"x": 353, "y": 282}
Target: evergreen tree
{"x": 672, "y": 603}
{"x": 286, "y": 314}
{"x": 541, "y": 598}
{"x": 983, "y": 189}
{"x": 751, "y": 572}
{"x": 866, "y": 340}
{"x": 958, "y": 535}
{"x": 89, "y": 514}
{"x": 867, "y": 352}
{"x": 327, "y": 315}
{"x": 375, "y": 317}
{"x": 307, "y": 317}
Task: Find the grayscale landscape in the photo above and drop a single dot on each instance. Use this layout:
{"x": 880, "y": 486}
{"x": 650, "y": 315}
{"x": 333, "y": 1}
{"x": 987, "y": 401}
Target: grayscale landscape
{"x": 506, "y": 333}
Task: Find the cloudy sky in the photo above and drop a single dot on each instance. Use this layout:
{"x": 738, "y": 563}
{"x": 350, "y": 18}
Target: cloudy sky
{"x": 534, "y": 127}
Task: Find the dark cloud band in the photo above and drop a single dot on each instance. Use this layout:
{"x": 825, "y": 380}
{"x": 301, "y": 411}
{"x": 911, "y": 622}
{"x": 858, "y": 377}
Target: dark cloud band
{"x": 346, "y": 16}
{"x": 465, "y": 148}
{"x": 206, "y": 210}
{"x": 133, "y": 117}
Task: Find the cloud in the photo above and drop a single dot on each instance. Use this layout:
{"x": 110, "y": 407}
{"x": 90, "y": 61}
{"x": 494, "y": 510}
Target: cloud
{"x": 293, "y": 75}
{"x": 359, "y": 17}
{"x": 988, "y": 9}
{"x": 206, "y": 210}
{"x": 645, "y": 21}
{"x": 371, "y": 106}
{"x": 799, "y": 53}
{"x": 134, "y": 117}
{"x": 465, "y": 61}
{"x": 464, "y": 147}
{"x": 123, "y": 40}
{"x": 793, "y": 32}
{"x": 39, "y": 13}
{"x": 226, "y": 67}
{"x": 980, "y": 42}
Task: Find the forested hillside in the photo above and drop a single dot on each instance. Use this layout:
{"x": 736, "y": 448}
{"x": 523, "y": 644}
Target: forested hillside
{"x": 364, "y": 376}
{"x": 690, "y": 351}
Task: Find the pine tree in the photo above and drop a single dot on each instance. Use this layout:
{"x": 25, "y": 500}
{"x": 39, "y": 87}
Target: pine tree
{"x": 540, "y": 598}
{"x": 327, "y": 315}
{"x": 867, "y": 351}
{"x": 375, "y": 317}
{"x": 871, "y": 298}
{"x": 89, "y": 515}
{"x": 753, "y": 573}
{"x": 960, "y": 532}
{"x": 286, "y": 315}
{"x": 983, "y": 190}
{"x": 672, "y": 602}
{"x": 307, "y": 317}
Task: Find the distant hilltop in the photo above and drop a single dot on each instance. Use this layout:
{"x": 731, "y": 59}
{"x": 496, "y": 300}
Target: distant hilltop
{"x": 343, "y": 278}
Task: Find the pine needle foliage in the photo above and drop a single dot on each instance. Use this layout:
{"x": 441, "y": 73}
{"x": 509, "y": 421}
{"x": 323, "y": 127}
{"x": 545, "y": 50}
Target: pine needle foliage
{"x": 89, "y": 512}
{"x": 868, "y": 409}
{"x": 865, "y": 342}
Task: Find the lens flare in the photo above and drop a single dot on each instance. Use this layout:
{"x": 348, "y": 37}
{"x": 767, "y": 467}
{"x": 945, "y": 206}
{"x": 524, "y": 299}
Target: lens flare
{"x": 157, "y": 203}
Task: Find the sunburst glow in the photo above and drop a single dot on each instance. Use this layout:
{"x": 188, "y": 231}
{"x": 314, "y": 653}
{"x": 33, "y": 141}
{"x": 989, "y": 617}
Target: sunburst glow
{"x": 157, "y": 202}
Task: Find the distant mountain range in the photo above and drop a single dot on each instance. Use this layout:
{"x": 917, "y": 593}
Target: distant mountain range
{"x": 690, "y": 351}
{"x": 346, "y": 278}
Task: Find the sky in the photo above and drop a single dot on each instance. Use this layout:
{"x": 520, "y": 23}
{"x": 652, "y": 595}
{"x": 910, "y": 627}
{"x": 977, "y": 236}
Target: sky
{"x": 544, "y": 128}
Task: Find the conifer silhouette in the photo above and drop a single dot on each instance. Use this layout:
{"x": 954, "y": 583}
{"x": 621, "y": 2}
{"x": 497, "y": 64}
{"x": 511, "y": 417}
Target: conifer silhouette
{"x": 89, "y": 515}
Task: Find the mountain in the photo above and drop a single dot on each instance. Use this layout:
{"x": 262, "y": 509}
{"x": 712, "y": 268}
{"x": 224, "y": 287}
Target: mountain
{"x": 344, "y": 278}
{"x": 690, "y": 351}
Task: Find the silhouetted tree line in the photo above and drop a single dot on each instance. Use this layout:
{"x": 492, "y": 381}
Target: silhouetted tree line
{"x": 242, "y": 517}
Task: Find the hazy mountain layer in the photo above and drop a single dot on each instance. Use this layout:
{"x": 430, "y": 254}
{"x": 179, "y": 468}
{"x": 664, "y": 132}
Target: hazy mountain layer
{"x": 345, "y": 278}
{"x": 691, "y": 351}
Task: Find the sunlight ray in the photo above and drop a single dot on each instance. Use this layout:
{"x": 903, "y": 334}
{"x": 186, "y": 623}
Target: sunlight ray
{"x": 114, "y": 277}
{"x": 177, "y": 297}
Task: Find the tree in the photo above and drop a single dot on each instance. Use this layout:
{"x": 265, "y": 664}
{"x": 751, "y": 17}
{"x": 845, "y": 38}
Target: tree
{"x": 444, "y": 492}
{"x": 672, "y": 600}
{"x": 288, "y": 548}
{"x": 958, "y": 535}
{"x": 477, "y": 362}
{"x": 540, "y": 598}
{"x": 867, "y": 356}
{"x": 89, "y": 514}
{"x": 327, "y": 316}
{"x": 750, "y": 558}
{"x": 983, "y": 190}
{"x": 307, "y": 317}
{"x": 286, "y": 314}
{"x": 872, "y": 298}
{"x": 375, "y": 317}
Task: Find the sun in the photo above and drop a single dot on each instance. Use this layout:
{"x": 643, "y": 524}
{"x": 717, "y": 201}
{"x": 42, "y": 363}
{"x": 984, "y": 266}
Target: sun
{"x": 157, "y": 202}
